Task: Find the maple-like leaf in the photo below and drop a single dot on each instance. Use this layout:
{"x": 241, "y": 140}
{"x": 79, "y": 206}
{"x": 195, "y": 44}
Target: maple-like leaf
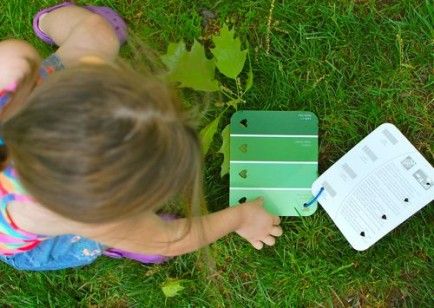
{"x": 192, "y": 69}
{"x": 224, "y": 149}
{"x": 249, "y": 82}
{"x": 174, "y": 53}
{"x": 230, "y": 58}
{"x": 207, "y": 133}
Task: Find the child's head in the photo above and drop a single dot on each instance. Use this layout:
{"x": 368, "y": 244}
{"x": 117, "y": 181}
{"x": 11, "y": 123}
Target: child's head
{"x": 97, "y": 143}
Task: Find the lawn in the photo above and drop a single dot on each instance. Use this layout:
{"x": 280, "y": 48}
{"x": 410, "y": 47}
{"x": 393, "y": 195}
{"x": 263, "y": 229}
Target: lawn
{"x": 356, "y": 64}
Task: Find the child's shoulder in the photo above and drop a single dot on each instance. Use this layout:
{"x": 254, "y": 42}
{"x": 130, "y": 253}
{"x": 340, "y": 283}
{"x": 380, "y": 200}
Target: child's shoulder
{"x": 34, "y": 218}
{"x": 28, "y": 214}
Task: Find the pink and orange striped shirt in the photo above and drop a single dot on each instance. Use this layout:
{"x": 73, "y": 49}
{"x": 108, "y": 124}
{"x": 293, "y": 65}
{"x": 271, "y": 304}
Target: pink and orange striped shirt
{"x": 13, "y": 239}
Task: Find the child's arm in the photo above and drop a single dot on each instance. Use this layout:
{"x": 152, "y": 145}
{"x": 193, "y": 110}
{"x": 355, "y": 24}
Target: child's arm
{"x": 151, "y": 235}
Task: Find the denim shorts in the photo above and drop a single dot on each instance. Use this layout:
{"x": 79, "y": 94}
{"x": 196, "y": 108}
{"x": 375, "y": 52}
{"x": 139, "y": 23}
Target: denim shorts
{"x": 60, "y": 252}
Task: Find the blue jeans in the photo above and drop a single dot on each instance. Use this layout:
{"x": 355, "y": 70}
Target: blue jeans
{"x": 60, "y": 252}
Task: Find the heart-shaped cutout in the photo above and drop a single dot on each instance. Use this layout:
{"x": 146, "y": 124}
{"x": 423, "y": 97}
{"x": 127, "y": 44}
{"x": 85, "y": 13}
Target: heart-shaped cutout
{"x": 242, "y": 200}
{"x": 243, "y": 173}
{"x": 243, "y": 148}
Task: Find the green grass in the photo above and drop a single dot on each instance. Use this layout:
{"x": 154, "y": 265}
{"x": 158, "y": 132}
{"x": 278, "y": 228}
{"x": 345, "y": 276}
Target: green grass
{"x": 356, "y": 64}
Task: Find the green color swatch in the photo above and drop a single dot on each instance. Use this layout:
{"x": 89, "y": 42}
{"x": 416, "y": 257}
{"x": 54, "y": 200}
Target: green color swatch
{"x": 274, "y": 154}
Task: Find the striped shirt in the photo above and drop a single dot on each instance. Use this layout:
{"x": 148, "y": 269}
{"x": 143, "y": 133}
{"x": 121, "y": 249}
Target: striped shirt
{"x": 13, "y": 239}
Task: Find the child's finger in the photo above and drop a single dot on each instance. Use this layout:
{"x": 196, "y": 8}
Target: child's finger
{"x": 259, "y": 200}
{"x": 276, "y": 231}
{"x": 257, "y": 244}
{"x": 276, "y": 220}
{"x": 269, "y": 240}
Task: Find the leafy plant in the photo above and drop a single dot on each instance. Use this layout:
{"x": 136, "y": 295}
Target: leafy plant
{"x": 193, "y": 69}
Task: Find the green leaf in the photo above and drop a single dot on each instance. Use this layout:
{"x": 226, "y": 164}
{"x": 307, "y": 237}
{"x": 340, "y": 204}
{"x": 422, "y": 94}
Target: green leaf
{"x": 194, "y": 70}
{"x": 207, "y": 134}
{"x": 224, "y": 149}
{"x": 249, "y": 82}
{"x": 230, "y": 58}
{"x": 172, "y": 287}
{"x": 175, "y": 51}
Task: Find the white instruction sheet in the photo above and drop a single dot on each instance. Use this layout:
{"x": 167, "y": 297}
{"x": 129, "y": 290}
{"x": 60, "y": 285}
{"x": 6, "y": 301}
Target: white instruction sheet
{"x": 376, "y": 186}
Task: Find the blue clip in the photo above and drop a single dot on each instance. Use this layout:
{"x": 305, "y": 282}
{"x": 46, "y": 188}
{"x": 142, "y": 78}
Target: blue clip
{"x": 309, "y": 203}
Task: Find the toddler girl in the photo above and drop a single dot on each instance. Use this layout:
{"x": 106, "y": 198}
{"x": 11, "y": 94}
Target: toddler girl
{"x": 94, "y": 150}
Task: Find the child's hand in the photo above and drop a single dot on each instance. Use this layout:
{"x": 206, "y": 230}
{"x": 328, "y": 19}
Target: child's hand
{"x": 12, "y": 72}
{"x": 16, "y": 59}
{"x": 257, "y": 226}
{"x": 19, "y": 64}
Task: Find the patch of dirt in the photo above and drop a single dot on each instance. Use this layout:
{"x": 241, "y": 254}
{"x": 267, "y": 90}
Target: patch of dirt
{"x": 210, "y": 25}
{"x": 396, "y": 299}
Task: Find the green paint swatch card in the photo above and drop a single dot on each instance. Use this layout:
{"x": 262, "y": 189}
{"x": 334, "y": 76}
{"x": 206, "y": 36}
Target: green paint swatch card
{"x": 274, "y": 154}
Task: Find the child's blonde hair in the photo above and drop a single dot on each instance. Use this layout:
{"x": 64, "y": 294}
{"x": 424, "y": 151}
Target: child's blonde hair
{"x": 98, "y": 143}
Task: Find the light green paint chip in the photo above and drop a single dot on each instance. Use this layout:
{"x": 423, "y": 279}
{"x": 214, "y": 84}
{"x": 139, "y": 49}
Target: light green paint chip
{"x": 274, "y": 154}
